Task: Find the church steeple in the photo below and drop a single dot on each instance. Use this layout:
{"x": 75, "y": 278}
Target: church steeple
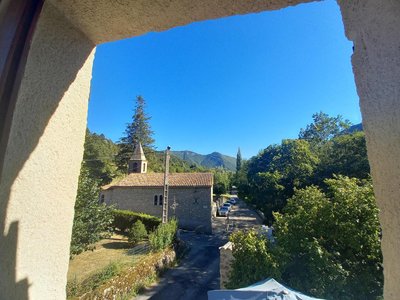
{"x": 138, "y": 162}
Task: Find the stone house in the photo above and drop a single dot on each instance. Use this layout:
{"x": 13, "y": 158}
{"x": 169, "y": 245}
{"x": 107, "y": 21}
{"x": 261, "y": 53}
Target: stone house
{"x": 189, "y": 200}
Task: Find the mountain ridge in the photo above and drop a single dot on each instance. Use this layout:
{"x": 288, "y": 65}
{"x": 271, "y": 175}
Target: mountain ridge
{"x": 212, "y": 160}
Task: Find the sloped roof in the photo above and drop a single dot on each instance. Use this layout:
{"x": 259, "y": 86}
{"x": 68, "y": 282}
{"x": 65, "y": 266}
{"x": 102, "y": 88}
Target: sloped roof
{"x": 157, "y": 180}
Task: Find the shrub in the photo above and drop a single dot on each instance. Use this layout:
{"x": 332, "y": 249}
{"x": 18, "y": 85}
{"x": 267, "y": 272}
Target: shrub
{"x": 163, "y": 236}
{"x": 124, "y": 219}
{"x": 253, "y": 260}
{"x": 137, "y": 233}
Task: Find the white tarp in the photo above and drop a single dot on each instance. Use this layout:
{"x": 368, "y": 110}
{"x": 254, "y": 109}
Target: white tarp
{"x": 268, "y": 289}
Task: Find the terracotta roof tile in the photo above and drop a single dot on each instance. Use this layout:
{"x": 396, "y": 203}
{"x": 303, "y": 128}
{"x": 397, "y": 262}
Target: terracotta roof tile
{"x": 157, "y": 179}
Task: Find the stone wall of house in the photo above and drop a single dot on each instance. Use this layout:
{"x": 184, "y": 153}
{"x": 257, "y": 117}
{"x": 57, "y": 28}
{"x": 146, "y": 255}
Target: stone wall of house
{"x": 225, "y": 261}
{"x": 193, "y": 205}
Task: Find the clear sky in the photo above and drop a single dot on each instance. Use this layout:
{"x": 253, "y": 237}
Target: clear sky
{"x": 247, "y": 81}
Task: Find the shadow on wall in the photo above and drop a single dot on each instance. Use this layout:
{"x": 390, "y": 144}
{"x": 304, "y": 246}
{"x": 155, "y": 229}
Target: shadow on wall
{"x": 38, "y": 98}
{"x": 8, "y": 259}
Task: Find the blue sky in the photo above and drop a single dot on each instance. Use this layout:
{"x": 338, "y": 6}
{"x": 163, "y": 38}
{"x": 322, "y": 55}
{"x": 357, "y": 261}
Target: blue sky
{"x": 244, "y": 81}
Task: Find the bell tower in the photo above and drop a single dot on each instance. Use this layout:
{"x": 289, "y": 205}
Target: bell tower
{"x": 138, "y": 162}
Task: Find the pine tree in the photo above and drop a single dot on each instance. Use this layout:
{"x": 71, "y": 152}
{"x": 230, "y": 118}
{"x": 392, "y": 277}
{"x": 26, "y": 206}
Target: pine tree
{"x": 138, "y": 131}
{"x": 238, "y": 161}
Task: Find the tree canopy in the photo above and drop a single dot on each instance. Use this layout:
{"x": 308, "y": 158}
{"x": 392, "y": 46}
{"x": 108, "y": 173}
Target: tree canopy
{"x": 137, "y": 131}
{"x": 99, "y": 157}
{"x": 327, "y": 244}
{"x": 276, "y": 171}
{"x": 317, "y": 192}
{"x": 92, "y": 219}
{"x": 324, "y": 149}
{"x": 323, "y": 128}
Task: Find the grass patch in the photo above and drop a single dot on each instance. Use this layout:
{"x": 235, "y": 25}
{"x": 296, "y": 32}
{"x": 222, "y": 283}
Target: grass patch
{"x": 122, "y": 281}
{"x": 74, "y": 288}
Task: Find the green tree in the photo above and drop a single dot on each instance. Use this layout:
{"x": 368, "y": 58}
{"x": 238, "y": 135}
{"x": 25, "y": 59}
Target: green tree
{"x": 92, "y": 220}
{"x": 238, "y": 161}
{"x": 138, "y": 131}
{"x": 241, "y": 181}
{"x": 99, "y": 157}
{"x": 253, "y": 259}
{"x": 323, "y": 128}
{"x": 221, "y": 181}
{"x": 329, "y": 243}
{"x": 275, "y": 172}
{"x": 268, "y": 193}
{"x": 344, "y": 155}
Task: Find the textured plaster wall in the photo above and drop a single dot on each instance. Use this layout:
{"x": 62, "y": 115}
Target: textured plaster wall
{"x": 39, "y": 178}
{"x": 193, "y": 205}
{"x": 43, "y": 155}
{"x": 374, "y": 27}
{"x": 105, "y": 20}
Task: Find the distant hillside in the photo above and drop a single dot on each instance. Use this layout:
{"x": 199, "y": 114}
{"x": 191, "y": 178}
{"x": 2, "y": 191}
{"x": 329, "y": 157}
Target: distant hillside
{"x": 213, "y": 160}
{"x": 176, "y": 164}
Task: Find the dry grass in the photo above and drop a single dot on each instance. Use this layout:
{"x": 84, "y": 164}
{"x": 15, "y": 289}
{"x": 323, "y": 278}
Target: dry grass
{"x": 113, "y": 250}
{"x": 118, "y": 281}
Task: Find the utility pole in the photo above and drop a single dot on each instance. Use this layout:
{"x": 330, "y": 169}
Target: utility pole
{"x": 166, "y": 187}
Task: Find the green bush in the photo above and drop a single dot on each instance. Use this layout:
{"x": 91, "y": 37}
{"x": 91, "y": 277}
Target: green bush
{"x": 124, "y": 220}
{"x": 163, "y": 236}
{"x": 137, "y": 233}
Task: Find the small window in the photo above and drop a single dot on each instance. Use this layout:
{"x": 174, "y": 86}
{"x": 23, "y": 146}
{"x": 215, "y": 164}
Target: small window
{"x": 161, "y": 200}
{"x": 102, "y": 199}
{"x": 144, "y": 167}
{"x": 155, "y": 200}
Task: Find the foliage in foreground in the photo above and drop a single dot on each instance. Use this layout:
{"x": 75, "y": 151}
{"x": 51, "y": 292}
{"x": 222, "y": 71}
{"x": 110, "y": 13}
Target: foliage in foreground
{"x": 92, "y": 220}
{"x": 137, "y": 233}
{"x": 253, "y": 259}
{"x": 328, "y": 244}
{"x": 164, "y": 236}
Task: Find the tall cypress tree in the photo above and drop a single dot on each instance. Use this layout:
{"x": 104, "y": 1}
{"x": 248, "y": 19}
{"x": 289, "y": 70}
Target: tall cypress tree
{"x": 138, "y": 131}
{"x": 238, "y": 161}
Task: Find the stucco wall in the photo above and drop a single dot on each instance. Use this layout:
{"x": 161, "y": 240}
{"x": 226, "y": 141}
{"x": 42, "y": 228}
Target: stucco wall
{"x": 104, "y": 20}
{"x": 39, "y": 177}
{"x": 374, "y": 27}
{"x": 40, "y": 173}
{"x": 193, "y": 205}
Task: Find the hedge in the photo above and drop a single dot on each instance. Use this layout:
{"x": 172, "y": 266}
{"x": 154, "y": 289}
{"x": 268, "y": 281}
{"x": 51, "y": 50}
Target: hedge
{"x": 124, "y": 219}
